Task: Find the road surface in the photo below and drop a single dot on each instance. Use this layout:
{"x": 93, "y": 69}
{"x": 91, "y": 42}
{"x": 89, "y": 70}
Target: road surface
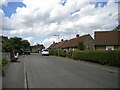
{"x": 36, "y": 71}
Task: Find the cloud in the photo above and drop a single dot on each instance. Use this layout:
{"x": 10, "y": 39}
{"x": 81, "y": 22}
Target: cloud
{"x": 44, "y": 18}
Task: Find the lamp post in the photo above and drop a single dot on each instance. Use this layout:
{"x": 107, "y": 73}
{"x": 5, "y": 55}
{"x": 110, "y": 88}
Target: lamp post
{"x": 57, "y": 36}
{"x": 58, "y": 41}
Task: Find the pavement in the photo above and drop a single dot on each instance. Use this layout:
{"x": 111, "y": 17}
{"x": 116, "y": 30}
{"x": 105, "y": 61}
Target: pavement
{"x": 14, "y": 75}
{"x": 37, "y": 71}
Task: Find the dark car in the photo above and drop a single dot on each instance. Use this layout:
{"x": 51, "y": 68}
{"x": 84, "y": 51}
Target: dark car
{"x": 27, "y": 52}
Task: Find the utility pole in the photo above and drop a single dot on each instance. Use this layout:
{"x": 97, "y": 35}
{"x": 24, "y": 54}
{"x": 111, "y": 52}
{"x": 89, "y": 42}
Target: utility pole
{"x": 57, "y": 36}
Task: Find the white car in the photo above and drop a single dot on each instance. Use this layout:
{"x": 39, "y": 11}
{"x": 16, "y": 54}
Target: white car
{"x": 45, "y": 52}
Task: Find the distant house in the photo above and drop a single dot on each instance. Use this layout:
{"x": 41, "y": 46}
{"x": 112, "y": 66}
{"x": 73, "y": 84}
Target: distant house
{"x": 72, "y": 44}
{"x": 107, "y": 40}
{"x": 3, "y": 39}
{"x": 37, "y": 48}
{"x": 59, "y": 44}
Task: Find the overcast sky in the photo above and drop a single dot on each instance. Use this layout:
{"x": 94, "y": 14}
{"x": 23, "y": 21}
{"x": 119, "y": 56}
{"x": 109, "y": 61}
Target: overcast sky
{"x": 39, "y": 20}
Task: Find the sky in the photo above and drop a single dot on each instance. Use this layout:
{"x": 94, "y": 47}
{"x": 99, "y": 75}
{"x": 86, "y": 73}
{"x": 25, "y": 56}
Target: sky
{"x": 38, "y": 21}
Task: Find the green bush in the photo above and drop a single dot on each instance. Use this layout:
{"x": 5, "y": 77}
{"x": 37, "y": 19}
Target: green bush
{"x": 62, "y": 53}
{"x": 111, "y": 58}
{"x": 102, "y": 57}
{"x": 69, "y": 54}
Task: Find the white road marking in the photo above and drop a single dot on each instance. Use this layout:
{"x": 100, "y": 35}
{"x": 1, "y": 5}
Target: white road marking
{"x": 25, "y": 80}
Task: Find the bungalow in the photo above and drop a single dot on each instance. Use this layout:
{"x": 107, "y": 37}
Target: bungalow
{"x": 52, "y": 45}
{"x": 107, "y": 40}
{"x": 60, "y": 44}
{"x": 72, "y": 44}
{"x": 37, "y": 48}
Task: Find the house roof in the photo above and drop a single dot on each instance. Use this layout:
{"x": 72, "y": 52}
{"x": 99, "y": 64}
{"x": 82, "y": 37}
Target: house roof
{"x": 74, "y": 42}
{"x": 37, "y": 46}
{"x": 3, "y": 38}
{"x": 69, "y": 43}
{"x": 60, "y": 44}
{"x": 52, "y": 45}
{"x": 107, "y": 38}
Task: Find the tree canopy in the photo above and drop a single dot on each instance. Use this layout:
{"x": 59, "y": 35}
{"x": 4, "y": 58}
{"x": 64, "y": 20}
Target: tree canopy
{"x": 81, "y": 45}
{"x": 15, "y": 44}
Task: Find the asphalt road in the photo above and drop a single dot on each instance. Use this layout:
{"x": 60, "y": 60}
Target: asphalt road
{"x": 36, "y": 71}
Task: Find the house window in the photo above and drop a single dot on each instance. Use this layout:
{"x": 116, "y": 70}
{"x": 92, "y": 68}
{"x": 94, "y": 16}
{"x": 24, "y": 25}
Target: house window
{"x": 109, "y": 47}
{"x": 118, "y": 47}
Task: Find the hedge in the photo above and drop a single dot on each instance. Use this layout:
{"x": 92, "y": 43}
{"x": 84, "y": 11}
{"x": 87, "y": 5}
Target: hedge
{"x": 111, "y": 58}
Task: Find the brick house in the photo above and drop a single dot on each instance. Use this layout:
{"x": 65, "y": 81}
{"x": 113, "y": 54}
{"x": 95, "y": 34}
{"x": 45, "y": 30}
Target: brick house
{"x": 59, "y": 44}
{"x": 72, "y": 44}
{"x": 37, "y": 48}
{"x": 107, "y": 40}
{"x": 52, "y": 45}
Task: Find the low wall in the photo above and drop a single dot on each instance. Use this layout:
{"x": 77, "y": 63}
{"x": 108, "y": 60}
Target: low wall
{"x": 6, "y": 56}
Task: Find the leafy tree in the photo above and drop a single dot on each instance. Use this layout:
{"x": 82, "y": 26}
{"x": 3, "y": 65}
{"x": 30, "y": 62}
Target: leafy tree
{"x": 25, "y": 43}
{"x": 81, "y": 45}
{"x": 7, "y": 47}
{"x": 15, "y": 44}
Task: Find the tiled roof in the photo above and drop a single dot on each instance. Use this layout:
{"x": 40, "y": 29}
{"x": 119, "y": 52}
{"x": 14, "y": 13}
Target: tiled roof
{"x": 107, "y": 38}
{"x": 38, "y": 46}
{"x": 60, "y": 44}
{"x": 74, "y": 42}
{"x": 52, "y": 45}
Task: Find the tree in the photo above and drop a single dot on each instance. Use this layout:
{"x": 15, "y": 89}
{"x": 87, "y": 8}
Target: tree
{"x": 25, "y": 43}
{"x": 7, "y": 47}
{"x": 81, "y": 45}
{"x": 16, "y": 45}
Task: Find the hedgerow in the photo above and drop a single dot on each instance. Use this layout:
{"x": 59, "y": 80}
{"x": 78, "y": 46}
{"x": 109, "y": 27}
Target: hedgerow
{"x": 111, "y": 58}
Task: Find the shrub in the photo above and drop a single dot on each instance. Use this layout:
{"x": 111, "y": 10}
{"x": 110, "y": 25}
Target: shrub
{"x": 62, "y": 53}
{"x": 69, "y": 54}
{"x": 102, "y": 56}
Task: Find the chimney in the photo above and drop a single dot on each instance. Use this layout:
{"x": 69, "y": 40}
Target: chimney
{"x": 53, "y": 42}
{"x": 77, "y": 35}
{"x": 62, "y": 40}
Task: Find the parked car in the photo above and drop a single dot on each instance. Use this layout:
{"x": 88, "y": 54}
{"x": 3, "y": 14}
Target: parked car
{"x": 45, "y": 52}
{"x": 27, "y": 52}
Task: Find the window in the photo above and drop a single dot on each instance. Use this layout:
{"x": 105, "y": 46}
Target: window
{"x": 109, "y": 47}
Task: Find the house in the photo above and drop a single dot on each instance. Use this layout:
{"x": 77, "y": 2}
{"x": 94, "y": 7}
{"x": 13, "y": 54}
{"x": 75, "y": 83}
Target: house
{"x": 3, "y": 39}
{"x": 59, "y": 44}
{"x": 37, "y": 48}
{"x": 107, "y": 40}
{"x": 52, "y": 45}
{"x": 72, "y": 44}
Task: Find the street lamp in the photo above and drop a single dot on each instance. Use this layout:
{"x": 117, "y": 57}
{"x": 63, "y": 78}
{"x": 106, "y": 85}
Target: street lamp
{"x": 57, "y": 36}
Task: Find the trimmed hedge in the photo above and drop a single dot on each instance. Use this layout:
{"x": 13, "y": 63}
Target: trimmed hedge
{"x": 111, "y": 58}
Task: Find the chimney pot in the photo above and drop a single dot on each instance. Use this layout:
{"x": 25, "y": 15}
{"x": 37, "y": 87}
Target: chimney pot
{"x": 62, "y": 40}
{"x": 77, "y": 35}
